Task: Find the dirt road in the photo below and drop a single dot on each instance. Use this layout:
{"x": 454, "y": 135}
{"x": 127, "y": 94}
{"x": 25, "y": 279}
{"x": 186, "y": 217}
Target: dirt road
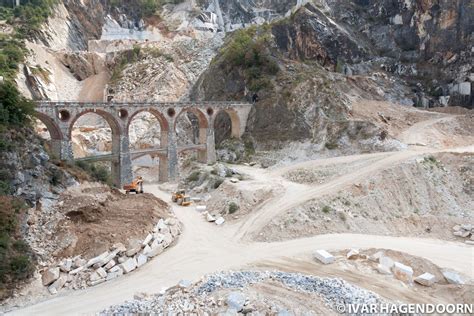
{"x": 205, "y": 248}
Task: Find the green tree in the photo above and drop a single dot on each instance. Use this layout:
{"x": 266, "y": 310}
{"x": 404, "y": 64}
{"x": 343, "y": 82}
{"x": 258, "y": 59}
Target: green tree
{"x": 14, "y": 108}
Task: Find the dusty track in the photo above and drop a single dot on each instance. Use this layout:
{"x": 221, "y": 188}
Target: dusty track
{"x": 204, "y": 248}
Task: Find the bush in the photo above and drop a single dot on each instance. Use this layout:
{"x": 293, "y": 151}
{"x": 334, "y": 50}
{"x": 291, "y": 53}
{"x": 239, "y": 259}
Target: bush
{"x": 327, "y": 209}
{"x": 14, "y": 108}
{"x": 218, "y": 183}
{"x": 194, "y": 176}
{"x": 248, "y": 51}
{"x": 233, "y": 207}
{"x": 15, "y": 254}
{"x": 96, "y": 172}
{"x": 5, "y": 188}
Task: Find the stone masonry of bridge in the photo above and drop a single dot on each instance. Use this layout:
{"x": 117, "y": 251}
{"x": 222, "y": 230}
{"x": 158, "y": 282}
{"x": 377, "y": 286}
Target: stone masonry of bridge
{"x": 59, "y": 118}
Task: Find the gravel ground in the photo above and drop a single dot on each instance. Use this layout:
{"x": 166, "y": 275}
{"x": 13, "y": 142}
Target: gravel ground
{"x": 214, "y": 294}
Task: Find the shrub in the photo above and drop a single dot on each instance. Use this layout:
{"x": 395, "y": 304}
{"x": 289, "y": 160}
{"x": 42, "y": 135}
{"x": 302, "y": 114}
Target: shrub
{"x": 5, "y": 188}
{"x": 327, "y": 209}
{"x": 233, "y": 207}
{"x": 218, "y": 183}
{"x": 96, "y": 172}
{"x": 194, "y": 176}
{"x": 14, "y": 108}
{"x": 331, "y": 145}
{"x": 248, "y": 51}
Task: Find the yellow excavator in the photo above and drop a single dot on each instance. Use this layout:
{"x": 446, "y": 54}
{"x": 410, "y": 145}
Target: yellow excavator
{"x": 136, "y": 186}
{"x": 179, "y": 197}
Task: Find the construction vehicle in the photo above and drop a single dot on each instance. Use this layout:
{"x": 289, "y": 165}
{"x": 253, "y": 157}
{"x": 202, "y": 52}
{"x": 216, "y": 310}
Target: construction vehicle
{"x": 178, "y": 195}
{"x": 136, "y": 186}
{"x": 185, "y": 201}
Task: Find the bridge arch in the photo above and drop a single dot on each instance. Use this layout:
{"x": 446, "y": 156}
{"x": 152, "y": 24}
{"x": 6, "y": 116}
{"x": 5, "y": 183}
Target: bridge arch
{"x": 164, "y": 125}
{"x": 108, "y": 117}
{"x": 150, "y": 158}
{"x": 232, "y": 114}
{"x": 53, "y": 128}
{"x": 203, "y": 125}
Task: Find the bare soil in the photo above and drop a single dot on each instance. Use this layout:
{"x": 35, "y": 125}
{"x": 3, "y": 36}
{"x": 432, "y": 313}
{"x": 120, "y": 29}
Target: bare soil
{"x": 420, "y": 197}
{"x": 90, "y": 218}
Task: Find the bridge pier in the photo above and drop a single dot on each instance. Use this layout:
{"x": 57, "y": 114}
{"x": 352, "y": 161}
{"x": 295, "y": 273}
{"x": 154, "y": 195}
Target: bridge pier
{"x": 210, "y": 146}
{"x": 172, "y": 156}
{"x": 122, "y": 167}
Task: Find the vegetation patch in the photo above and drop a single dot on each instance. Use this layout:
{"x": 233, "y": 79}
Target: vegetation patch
{"x": 96, "y": 171}
{"x": 233, "y": 207}
{"x": 16, "y": 257}
{"x": 248, "y": 50}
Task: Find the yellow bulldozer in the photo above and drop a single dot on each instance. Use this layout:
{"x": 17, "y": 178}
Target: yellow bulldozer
{"x": 179, "y": 197}
{"x": 136, "y": 186}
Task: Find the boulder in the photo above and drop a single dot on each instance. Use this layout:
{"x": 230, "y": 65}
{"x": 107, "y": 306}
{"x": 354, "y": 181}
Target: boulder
{"x": 97, "y": 259}
{"x": 324, "y": 256}
{"x": 115, "y": 269}
{"x": 76, "y": 271}
{"x": 158, "y": 237}
{"x": 101, "y": 272}
{"x": 66, "y": 265}
{"x": 146, "y": 250}
{"x": 220, "y": 221}
{"x": 353, "y": 254}
{"x": 78, "y": 262}
{"x": 147, "y": 240}
{"x": 383, "y": 269}
{"x": 49, "y": 276}
{"x": 452, "y": 277}
{"x": 105, "y": 260}
{"x": 403, "y": 272}
{"x": 174, "y": 231}
{"x": 57, "y": 285}
{"x": 469, "y": 242}
{"x": 129, "y": 265}
{"x": 184, "y": 284}
{"x": 210, "y": 218}
{"x": 466, "y": 226}
{"x": 94, "y": 276}
{"x": 167, "y": 240}
{"x": 165, "y": 230}
{"x": 156, "y": 250}
{"x": 110, "y": 264}
{"x": 159, "y": 226}
{"x": 426, "y": 279}
{"x": 235, "y": 300}
{"x": 122, "y": 259}
{"x": 115, "y": 273}
{"x": 376, "y": 256}
{"x": 387, "y": 262}
{"x": 119, "y": 246}
{"x": 457, "y": 228}
{"x": 133, "y": 251}
{"x": 141, "y": 260}
{"x": 171, "y": 221}
{"x": 234, "y": 180}
{"x": 201, "y": 208}
{"x": 94, "y": 283}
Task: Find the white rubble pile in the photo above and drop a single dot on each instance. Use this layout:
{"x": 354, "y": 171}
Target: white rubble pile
{"x": 77, "y": 273}
{"x": 211, "y": 295}
{"x": 465, "y": 231}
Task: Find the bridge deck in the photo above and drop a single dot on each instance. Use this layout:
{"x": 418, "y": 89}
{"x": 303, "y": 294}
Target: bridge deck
{"x": 135, "y": 154}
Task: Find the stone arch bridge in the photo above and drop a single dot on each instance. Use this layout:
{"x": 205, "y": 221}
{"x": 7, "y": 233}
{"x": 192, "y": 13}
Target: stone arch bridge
{"x": 59, "y": 118}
